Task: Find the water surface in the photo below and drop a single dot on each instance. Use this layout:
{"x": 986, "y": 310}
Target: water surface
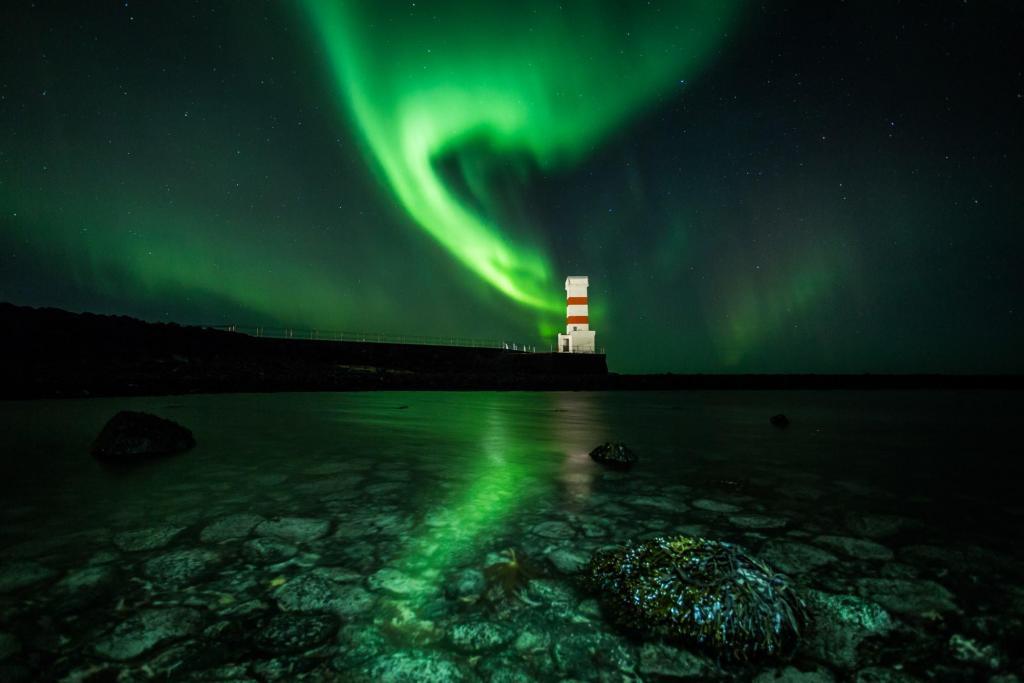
{"x": 419, "y": 535}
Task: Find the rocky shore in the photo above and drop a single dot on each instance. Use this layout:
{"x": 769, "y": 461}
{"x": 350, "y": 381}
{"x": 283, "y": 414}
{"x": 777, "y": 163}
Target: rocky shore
{"x": 333, "y": 572}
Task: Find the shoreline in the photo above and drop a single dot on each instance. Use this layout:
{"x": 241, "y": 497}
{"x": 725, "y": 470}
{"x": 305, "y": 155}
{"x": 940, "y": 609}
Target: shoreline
{"x": 51, "y": 353}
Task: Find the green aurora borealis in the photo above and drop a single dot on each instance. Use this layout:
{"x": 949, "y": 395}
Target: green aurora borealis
{"x": 751, "y": 189}
{"x": 418, "y": 97}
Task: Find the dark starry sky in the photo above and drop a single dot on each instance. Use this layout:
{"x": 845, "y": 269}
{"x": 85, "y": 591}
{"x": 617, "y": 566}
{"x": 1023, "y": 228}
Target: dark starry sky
{"x": 786, "y": 187}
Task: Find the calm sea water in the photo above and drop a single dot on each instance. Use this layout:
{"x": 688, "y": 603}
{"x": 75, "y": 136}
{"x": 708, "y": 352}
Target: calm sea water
{"x": 433, "y": 536}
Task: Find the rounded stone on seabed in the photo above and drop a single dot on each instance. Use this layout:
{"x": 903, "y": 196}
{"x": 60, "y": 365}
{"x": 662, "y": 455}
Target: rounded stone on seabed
{"x": 181, "y": 566}
{"x": 292, "y": 633}
{"x": 415, "y": 666}
{"x": 466, "y": 585}
{"x": 478, "y": 636}
{"x": 144, "y": 630}
{"x": 581, "y": 653}
{"x": 757, "y": 521}
{"x": 856, "y": 547}
{"x": 268, "y": 551}
{"x": 152, "y": 538}
{"x": 659, "y": 502}
{"x": 397, "y": 582}
{"x": 17, "y": 575}
{"x": 230, "y": 528}
{"x": 714, "y": 505}
{"x": 567, "y": 560}
{"x": 791, "y": 674}
{"x": 314, "y": 594}
{"x": 553, "y": 529}
{"x": 842, "y": 623}
{"x": 662, "y": 660}
{"x": 792, "y": 557}
{"x": 911, "y": 598}
{"x": 878, "y": 674}
{"x": 294, "y": 529}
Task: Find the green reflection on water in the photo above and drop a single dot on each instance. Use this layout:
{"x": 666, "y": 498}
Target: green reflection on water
{"x": 522, "y": 454}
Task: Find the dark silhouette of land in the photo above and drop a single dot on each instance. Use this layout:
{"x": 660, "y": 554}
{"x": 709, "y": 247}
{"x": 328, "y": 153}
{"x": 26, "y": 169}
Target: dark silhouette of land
{"x": 46, "y": 352}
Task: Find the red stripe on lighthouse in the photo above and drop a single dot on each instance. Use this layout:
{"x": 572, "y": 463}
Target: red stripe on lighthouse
{"x": 570, "y": 319}
{"x": 576, "y": 301}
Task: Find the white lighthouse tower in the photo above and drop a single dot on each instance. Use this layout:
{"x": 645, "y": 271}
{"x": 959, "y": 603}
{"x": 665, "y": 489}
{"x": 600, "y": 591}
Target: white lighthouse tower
{"x": 578, "y": 337}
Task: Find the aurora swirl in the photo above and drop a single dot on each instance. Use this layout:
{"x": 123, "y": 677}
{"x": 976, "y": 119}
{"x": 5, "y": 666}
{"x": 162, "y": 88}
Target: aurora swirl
{"x": 565, "y": 77}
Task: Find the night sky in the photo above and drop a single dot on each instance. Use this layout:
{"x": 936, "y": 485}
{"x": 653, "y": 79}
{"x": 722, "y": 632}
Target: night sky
{"x": 785, "y": 187}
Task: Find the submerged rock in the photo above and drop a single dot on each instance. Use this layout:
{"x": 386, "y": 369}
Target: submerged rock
{"x": 842, "y": 622}
{"x": 132, "y": 435}
{"x": 230, "y": 528}
{"x": 698, "y": 591}
{"x": 614, "y": 454}
{"x": 554, "y": 529}
{"x": 181, "y": 566}
{"x": 415, "y": 666}
{"x": 477, "y": 636}
{"x": 291, "y": 633}
{"x": 793, "y": 557}
{"x": 143, "y": 631}
{"x": 714, "y": 505}
{"x": 567, "y": 560}
{"x": 791, "y": 674}
{"x": 859, "y": 548}
{"x": 913, "y": 598}
{"x": 466, "y": 585}
{"x": 18, "y": 575}
{"x": 268, "y": 551}
{"x": 146, "y": 539}
{"x": 664, "y": 661}
{"x": 579, "y": 654}
{"x": 311, "y": 593}
{"x": 396, "y": 582}
{"x": 294, "y": 529}
{"x": 968, "y": 650}
{"x": 757, "y": 521}
{"x": 780, "y": 421}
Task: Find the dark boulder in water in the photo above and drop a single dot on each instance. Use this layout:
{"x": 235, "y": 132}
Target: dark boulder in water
{"x": 614, "y": 454}
{"x": 699, "y": 592}
{"x": 780, "y": 421}
{"x": 132, "y": 435}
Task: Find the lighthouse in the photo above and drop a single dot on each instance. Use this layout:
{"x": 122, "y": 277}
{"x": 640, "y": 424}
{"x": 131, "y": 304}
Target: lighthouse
{"x": 578, "y": 337}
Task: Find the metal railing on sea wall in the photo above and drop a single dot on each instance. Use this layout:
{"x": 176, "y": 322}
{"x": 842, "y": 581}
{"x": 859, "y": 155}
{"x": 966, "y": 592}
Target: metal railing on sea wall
{"x": 381, "y": 338}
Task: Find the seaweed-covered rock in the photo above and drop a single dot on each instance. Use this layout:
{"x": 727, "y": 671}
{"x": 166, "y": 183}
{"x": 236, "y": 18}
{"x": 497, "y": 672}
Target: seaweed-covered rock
{"x": 614, "y": 454}
{"x": 699, "y": 591}
{"x": 131, "y": 435}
